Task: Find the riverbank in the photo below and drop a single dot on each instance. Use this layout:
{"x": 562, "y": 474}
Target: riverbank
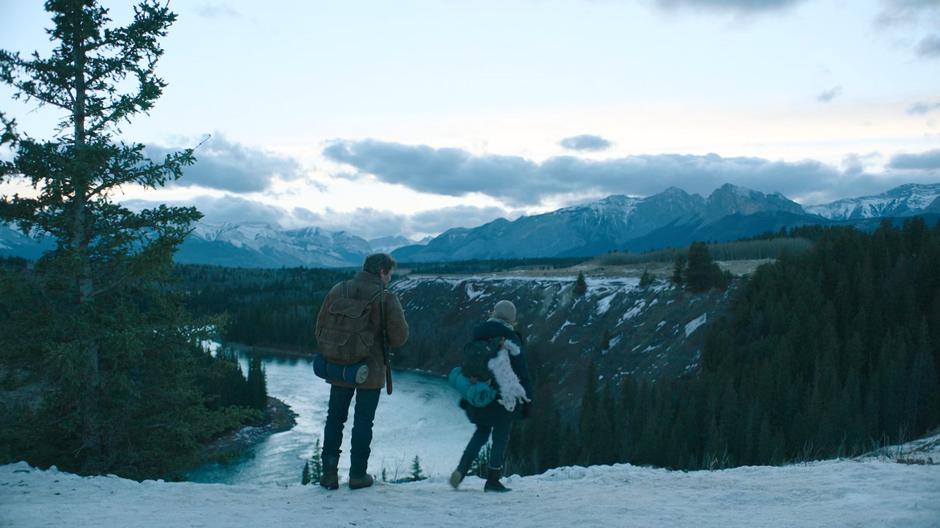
{"x": 268, "y": 351}
{"x": 276, "y": 418}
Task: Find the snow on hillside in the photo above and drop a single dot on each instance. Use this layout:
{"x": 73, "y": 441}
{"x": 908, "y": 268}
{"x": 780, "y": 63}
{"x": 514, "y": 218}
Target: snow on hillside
{"x": 695, "y": 324}
{"x": 613, "y": 207}
{"x": 604, "y": 285}
{"x": 898, "y": 201}
{"x": 846, "y": 493}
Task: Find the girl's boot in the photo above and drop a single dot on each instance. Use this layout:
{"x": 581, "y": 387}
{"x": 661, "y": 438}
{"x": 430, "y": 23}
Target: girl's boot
{"x": 492, "y": 481}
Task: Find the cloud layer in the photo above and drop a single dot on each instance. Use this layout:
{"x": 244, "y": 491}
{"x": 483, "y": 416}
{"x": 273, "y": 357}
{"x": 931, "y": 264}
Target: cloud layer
{"x": 924, "y": 161}
{"x": 903, "y": 12}
{"x": 222, "y": 209}
{"x": 217, "y": 10}
{"x": 914, "y": 16}
{"x": 730, "y": 6}
{"x": 367, "y": 223}
{"x": 585, "y": 142}
{"x": 929, "y": 47}
{"x": 520, "y": 182}
{"x": 371, "y": 223}
{"x": 922, "y": 108}
{"x": 830, "y": 94}
{"x": 229, "y": 166}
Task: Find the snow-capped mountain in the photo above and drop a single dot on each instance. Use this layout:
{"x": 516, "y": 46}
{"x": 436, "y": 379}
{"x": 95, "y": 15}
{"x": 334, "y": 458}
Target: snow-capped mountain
{"x": 389, "y": 243}
{"x": 251, "y": 245}
{"x": 731, "y": 199}
{"x": 670, "y": 218}
{"x": 596, "y": 227}
{"x": 263, "y": 245}
{"x": 905, "y": 200}
{"x": 14, "y": 243}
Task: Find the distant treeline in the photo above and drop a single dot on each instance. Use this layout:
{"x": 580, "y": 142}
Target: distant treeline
{"x": 261, "y": 307}
{"x": 772, "y": 247}
{"x": 826, "y": 353}
{"x": 490, "y": 266}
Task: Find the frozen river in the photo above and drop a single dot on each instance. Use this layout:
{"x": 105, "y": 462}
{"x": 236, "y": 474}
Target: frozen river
{"x": 421, "y": 418}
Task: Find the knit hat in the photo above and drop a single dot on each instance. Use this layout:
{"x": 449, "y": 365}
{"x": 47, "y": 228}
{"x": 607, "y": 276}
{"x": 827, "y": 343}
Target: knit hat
{"x": 505, "y": 310}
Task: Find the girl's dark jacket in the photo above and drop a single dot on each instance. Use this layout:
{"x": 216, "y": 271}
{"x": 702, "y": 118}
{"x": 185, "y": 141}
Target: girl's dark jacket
{"x": 495, "y": 412}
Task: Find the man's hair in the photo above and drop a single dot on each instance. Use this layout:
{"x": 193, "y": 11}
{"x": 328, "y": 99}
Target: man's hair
{"x": 378, "y": 262}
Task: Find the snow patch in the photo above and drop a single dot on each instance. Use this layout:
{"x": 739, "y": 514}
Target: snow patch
{"x": 604, "y": 304}
{"x": 560, "y": 330}
{"x": 694, "y": 324}
{"x": 633, "y": 312}
{"x": 210, "y": 347}
{"x": 473, "y": 293}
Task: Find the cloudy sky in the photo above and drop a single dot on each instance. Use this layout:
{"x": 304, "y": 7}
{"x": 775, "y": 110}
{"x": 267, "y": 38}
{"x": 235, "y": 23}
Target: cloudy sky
{"x": 415, "y": 116}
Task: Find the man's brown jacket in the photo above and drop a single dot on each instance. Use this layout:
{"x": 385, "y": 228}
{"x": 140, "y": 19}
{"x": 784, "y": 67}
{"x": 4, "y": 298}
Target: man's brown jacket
{"x": 364, "y": 286}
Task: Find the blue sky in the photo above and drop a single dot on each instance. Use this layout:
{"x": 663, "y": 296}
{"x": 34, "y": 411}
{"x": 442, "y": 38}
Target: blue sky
{"x": 378, "y": 116}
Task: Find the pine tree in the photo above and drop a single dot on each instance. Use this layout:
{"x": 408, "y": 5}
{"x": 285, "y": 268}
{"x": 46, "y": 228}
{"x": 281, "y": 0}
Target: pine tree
{"x": 580, "y": 285}
{"x": 257, "y": 386}
{"x": 481, "y": 462}
{"x": 678, "y": 271}
{"x": 646, "y": 279}
{"x": 305, "y": 476}
{"x": 416, "y": 472}
{"x": 103, "y": 279}
{"x": 316, "y": 463}
{"x": 588, "y": 424}
{"x": 700, "y": 273}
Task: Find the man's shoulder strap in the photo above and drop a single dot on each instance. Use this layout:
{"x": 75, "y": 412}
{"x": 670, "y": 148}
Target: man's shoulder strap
{"x": 371, "y": 299}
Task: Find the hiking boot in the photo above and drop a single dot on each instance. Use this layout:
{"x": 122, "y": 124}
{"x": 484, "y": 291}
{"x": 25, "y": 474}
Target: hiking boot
{"x": 330, "y": 479}
{"x": 456, "y": 478}
{"x": 492, "y": 481}
{"x": 360, "y": 481}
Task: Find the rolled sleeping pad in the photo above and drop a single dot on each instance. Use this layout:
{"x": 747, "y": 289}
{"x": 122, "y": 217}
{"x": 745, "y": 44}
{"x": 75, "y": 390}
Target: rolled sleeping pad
{"x": 354, "y": 374}
{"x": 478, "y": 394}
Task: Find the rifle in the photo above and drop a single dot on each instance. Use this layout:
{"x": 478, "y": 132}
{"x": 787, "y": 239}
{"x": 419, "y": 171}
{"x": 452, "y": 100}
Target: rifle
{"x": 385, "y": 352}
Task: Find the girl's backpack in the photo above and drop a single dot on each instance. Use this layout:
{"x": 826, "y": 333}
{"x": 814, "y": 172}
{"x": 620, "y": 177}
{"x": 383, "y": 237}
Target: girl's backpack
{"x": 475, "y": 356}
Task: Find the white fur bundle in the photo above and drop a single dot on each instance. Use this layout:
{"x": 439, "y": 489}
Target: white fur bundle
{"x": 510, "y": 389}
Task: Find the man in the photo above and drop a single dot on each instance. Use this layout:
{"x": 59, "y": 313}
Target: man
{"x": 370, "y": 283}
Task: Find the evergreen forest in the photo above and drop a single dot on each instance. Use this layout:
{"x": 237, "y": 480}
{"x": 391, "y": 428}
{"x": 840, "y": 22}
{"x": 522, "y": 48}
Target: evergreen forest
{"x": 825, "y": 353}
{"x": 259, "y": 307}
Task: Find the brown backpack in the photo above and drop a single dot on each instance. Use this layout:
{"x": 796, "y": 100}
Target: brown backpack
{"x": 346, "y": 335}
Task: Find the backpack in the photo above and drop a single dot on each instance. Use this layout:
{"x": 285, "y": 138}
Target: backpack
{"x": 346, "y": 335}
{"x": 476, "y": 354}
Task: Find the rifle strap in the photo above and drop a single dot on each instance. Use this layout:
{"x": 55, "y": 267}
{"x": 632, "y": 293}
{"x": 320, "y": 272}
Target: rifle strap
{"x": 382, "y": 322}
{"x": 385, "y": 353}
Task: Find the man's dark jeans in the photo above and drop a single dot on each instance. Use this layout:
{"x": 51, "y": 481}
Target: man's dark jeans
{"x": 366, "y": 402}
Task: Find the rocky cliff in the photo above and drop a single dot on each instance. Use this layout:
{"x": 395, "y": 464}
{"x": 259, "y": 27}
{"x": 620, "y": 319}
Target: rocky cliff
{"x": 652, "y": 332}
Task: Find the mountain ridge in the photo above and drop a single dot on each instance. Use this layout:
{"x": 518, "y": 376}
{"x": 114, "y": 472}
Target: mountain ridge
{"x": 672, "y": 217}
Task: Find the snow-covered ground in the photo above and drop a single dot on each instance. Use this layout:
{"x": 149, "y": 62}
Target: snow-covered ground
{"x": 870, "y": 492}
